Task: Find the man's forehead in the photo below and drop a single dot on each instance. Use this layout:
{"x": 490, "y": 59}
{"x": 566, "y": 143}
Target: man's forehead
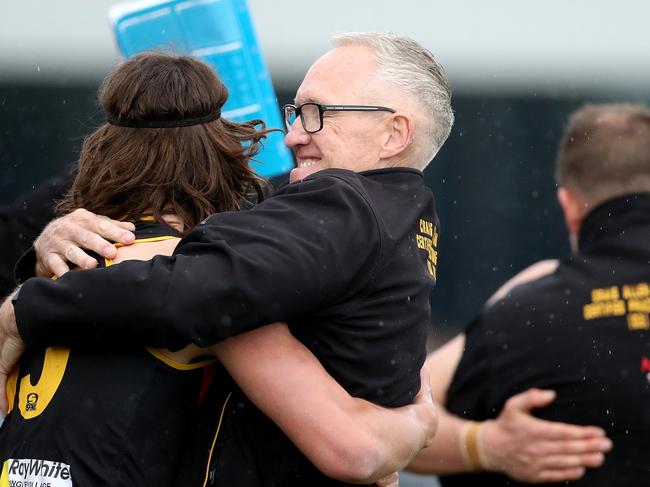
{"x": 342, "y": 75}
{"x": 314, "y": 90}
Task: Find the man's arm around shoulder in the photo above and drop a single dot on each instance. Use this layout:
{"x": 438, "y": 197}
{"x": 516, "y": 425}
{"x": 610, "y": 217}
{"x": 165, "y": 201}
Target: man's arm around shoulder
{"x": 292, "y": 253}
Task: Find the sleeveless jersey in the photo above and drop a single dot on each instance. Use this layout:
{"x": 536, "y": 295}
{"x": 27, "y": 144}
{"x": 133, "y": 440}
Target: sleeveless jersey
{"x": 99, "y": 417}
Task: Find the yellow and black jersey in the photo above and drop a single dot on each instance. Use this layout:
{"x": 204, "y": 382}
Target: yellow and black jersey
{"x": 99, "y": 416}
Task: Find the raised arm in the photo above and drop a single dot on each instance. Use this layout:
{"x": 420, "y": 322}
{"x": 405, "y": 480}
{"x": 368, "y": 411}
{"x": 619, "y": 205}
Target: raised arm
{"x": 346, "y": 438}
{"x": 515, "y": 443}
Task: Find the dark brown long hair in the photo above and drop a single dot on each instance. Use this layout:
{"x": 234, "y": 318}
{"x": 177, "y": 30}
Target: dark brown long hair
{"x": 125, "y": 173}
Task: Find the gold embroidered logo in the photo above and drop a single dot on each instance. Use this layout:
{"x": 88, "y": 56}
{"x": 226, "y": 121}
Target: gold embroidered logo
{"x": 427, "y": 240}
{"x": 630, "y": 300}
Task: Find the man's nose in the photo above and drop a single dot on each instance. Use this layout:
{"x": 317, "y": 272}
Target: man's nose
{"x": 296, "y": 135}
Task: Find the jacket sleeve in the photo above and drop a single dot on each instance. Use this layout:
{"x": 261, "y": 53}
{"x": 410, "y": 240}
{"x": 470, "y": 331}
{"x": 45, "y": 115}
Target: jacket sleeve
{"x": 20, "y": 224}
{"x": 297, "y": 251}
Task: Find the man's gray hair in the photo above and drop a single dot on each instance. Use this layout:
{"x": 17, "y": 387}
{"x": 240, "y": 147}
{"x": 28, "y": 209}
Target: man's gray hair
{"x": 407, "y": 65}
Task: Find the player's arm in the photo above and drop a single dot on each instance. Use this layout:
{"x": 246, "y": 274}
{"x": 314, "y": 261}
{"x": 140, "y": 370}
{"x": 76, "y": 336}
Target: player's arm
{"x": 11, "y": 348}
{"x": 445, "y": 453}
{"x": 346, "y": 438}
{"x": 515, "y": 443}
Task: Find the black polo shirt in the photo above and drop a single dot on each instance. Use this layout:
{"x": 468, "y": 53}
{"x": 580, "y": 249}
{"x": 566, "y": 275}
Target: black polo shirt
{"x": 584, "y": 331}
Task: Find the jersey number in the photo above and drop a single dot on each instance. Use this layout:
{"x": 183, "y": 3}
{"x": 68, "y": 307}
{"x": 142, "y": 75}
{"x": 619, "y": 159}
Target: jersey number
{"x": 33, "y": 399}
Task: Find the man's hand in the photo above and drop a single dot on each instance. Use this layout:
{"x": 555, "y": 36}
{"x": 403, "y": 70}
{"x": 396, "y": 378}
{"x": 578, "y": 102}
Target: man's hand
{"x": 533, "y": 450}
{"x": 391, "y": 480}
{"x": 62, "y": 241}
{"x": 426, "y": 409}
{"x": 11, "y": 348}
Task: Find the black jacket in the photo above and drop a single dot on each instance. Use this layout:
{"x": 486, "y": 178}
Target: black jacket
{"x": 22, "y": 221}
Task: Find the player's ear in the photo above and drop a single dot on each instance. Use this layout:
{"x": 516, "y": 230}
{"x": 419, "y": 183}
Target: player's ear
{"x": 573, "y": 207}
{"x": 399, "y": 131}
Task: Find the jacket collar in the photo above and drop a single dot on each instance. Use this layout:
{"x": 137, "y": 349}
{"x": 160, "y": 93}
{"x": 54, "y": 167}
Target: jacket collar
{"x": 613, "y": 218}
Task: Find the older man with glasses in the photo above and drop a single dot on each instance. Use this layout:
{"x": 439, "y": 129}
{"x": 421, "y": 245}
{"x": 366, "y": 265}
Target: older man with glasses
{"x": 369, "y": 106}
{"x": 346, "y": 254}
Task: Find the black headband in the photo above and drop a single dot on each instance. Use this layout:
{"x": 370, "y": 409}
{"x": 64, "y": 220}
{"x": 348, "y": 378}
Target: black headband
{"x": 163, "y": 124}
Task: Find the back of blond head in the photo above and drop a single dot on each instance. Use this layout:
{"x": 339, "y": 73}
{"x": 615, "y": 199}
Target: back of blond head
{"x": 605, "y": 152}
{"x": 411, "y": 68}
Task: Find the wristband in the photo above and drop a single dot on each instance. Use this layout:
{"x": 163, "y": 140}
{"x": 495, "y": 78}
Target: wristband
{"x": 470, "y": 441}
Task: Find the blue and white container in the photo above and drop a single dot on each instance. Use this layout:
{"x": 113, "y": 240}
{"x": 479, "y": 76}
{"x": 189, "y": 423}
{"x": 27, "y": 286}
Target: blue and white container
{"x": 221, "y": 33}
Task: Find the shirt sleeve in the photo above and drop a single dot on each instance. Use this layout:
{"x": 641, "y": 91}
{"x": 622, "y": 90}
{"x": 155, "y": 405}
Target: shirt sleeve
{"x": 20, "y": 224}
{"x": 302, "y": 249}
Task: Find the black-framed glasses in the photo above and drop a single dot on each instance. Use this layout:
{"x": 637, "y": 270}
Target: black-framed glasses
{"x": 311, "y": 114}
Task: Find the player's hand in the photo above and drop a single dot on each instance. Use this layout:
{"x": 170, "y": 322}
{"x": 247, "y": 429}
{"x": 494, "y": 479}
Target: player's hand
{"x": 533, "y": 450}
{"x": 391, "y": 480}
{"x": 61, "y": 242}
{"x": 11, "y": 348}
{"x": 426, "y": 409}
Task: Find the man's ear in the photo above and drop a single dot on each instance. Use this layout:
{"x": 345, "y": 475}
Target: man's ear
{"x": 573, "y": 207}
{"x": 398, "y": 135}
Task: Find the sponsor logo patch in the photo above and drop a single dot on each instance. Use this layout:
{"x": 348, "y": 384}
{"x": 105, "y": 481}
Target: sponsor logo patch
{"x": 27, "y": 472}
{"x": 32, "y": 402}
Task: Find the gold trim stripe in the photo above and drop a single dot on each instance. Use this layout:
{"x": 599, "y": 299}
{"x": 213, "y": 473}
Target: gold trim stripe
{"x": 214, "y": 440}
{"x": 156, "y": 352}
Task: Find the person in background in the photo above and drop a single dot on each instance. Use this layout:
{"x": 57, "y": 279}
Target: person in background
{"x": 579, "y": 326}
